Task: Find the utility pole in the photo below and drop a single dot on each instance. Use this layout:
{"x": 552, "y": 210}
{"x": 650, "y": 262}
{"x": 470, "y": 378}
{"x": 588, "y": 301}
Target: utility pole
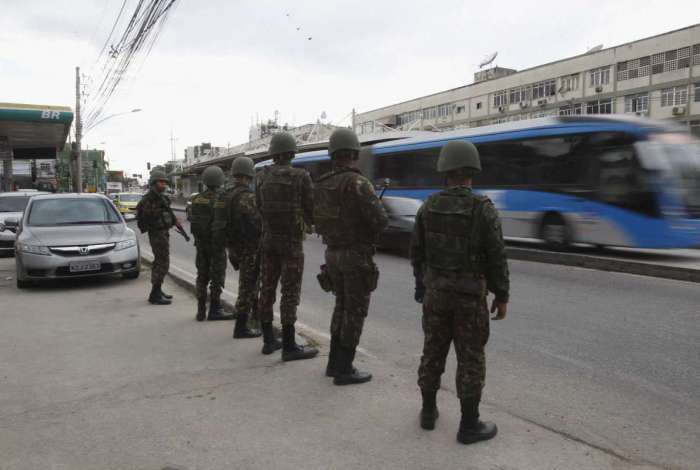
{"x": 77, "y": 163}
{"x": 354, "y": 117}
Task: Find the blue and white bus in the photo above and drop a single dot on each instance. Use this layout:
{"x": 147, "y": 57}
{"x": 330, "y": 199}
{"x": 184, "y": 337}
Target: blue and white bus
{"x": 602, "y": 180}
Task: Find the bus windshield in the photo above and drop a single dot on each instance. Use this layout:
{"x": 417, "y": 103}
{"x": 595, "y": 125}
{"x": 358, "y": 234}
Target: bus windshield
{"x": 677, "y": 156}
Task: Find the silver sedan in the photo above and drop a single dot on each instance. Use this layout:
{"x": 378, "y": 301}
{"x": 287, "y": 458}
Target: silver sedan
{"x": 73, "y": 235}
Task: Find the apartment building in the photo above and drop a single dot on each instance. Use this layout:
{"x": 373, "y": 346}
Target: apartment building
{"x": 656, "y": 77}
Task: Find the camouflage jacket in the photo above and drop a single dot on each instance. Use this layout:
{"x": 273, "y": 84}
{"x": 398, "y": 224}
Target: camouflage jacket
{"x": 243, "y": 221}
{"x": 457, "y": 238}
{"x": 346, "y": 209}
{"x": 154, "y": 213}
{"x": 284, "y": 198}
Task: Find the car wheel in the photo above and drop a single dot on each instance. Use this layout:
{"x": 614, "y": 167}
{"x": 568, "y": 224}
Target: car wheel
{"x": 555, "y": 232}
{"x": 23, "y": 284}
{"x": 131, "y": 275}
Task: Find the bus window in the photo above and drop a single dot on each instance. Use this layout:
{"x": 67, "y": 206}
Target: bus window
{"x": 412, "y": 169}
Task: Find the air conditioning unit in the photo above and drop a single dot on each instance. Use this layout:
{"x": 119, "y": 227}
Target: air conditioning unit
{"x": 542, "y": 102}
{"x": 599, "y": 89}
{"x": 523, "y": 104}
{"x": 678, "y": 110}
{"x": 501, "y": 109}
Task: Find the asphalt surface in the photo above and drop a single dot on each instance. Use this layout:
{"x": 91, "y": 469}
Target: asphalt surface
{"x": 604, "y": 358}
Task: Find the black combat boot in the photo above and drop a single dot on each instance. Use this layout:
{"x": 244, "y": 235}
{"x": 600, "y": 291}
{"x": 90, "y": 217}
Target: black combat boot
{"x": 291, "y": 351}
{"x": 471, "y": 429}
{"x": 201, "y": 309}
{"x": 270, "y": 342}
{"x": 241, "y": 329}
{"x": 429, "y": 413}
{"x": 163, "y": 294}
{"x": 216, "y": 312}
{"x": 346, "y": 373}
{"x": 332, "y": 367}
{"x": 155, "y": 298}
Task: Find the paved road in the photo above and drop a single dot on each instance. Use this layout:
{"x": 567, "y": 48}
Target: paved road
{"x": 608, "y": 359}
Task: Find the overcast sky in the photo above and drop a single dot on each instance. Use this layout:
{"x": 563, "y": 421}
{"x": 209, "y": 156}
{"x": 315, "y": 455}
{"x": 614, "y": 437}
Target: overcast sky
{"x": 220, "y": 63}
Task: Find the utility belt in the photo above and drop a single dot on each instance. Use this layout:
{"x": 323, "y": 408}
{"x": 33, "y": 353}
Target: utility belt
{"x": 462, "y": 282}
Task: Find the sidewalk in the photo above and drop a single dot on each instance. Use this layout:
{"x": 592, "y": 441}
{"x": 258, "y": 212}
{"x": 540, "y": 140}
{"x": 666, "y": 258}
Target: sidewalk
{"x": 93, "y": 377}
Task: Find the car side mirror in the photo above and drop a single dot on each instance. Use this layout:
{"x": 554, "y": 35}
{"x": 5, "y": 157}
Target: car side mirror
{"x": 11, "y": 224}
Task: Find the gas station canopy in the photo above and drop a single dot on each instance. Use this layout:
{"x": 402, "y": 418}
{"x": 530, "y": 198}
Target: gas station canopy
{"x": 34, "y": 131}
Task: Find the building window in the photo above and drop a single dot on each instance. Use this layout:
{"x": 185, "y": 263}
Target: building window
{"x": 696, "y": 54}
{"x": 696, "y": 93}
{"x": 499, "y": 120}
{"x": 443, "y": 110}
{"x": 571, "y": 110}
{"x": 671, "y": 60}
{"x": 500, "y": 99}
{"x": 637, "y": 103}
{"x": 544, "y": 89}
{"x": 674, "y": 96}
{"x": 569, "y": 82}
{"x": 600, "y": 76}
{"x": 634, "y": 68}
{"x": 599, "y": 107}
{"x": 461, "y": 109}
{"x": 430, "y": 113}
{"x": 478, "y": 105}
{"x": 519, "y": 94}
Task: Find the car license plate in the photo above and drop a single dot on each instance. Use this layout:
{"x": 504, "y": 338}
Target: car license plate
{"x": 85, "y": 266}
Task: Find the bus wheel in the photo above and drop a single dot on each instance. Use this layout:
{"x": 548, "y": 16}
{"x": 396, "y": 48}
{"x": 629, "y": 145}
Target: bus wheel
{"x": 555, "y": 232}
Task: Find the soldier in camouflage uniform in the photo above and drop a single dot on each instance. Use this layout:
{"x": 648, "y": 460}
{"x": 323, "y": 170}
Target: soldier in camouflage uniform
{"x": 155, "y": 217}
{"x": 243, "y": 227}
{"x": 284, "y": 198}
{"x": 211, "y": 252}
{"x": 349, "y": 216}
{"x": 458, "y": 255}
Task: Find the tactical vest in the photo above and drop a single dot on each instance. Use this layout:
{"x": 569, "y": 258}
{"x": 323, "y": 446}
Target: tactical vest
{"x": 280, "y": 202}
{"x": 231, "y": 219}
{"x": 202, "y": 213}
{"x": 451, "y": 225}
{"x": 163, "y": 221}
{"x": 336, "y": 217}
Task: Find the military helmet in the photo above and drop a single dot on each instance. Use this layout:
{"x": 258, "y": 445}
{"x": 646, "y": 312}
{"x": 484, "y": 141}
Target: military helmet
{"x": 343, "y": 139}
{"x": 157, "y": 175}
{"x": 282, "y": 142}
{"x": 243, "y": 166}
{"x": 458, "y": 154}
{"x": 213, "y": 176}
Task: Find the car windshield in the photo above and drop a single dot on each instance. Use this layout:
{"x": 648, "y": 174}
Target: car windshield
{"x": 13, "y": 203}
{"x": 129, "y": 197}
{"x": 402, "y": 205}
{"x": 74, "y": 211}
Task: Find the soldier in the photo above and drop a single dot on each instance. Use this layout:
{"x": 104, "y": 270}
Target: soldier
{"x": 458, "y": 254}
{"x": 155, "y": 217}
{"x": 242, "y": 226}
{"x": 349, "y": 216}
{"x": 285, "y": 200}
{"x": 211, "y": 253}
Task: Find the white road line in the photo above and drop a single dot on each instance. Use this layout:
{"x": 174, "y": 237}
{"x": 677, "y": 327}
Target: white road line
{"x": 233, "y": 294}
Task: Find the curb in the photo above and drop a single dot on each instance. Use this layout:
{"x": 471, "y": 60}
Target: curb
{"x": 605, "y": 264}
{"x": 188, "y": 285}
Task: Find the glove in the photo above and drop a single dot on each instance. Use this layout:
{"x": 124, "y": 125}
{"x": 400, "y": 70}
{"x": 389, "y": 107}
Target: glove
{"x": 419, "y": 293}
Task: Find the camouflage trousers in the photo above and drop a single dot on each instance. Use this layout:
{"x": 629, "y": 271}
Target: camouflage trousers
{"x": 211, "y": 268}
{"x": 354, "y": 276}
{"x": 283, "y": 265}
{"x": 248, "y": 263}
{"x": 160, "y": 245}
{"x": 460, "y": 318}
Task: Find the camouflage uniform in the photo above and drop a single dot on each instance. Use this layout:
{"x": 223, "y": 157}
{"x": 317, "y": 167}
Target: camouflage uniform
{"x": 211, "y": 253}
{"x": 457, "y": 253}
{"x": 156, "y": 218}
{"x": 243, "y": 228}
{"x": 285, "y": 200}
{"x": 349, "y": 216}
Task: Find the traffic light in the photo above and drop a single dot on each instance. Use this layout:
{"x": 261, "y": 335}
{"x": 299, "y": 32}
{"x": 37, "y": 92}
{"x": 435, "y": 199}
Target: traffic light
{"x": 148, "y": 165}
